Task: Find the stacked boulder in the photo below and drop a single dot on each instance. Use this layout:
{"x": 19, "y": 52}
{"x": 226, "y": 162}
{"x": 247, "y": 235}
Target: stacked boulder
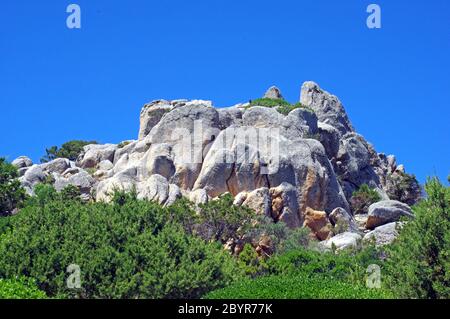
{"x": 300, "y": 168}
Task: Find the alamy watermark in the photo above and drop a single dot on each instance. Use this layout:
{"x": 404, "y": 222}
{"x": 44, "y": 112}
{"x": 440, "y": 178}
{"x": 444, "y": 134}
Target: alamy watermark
{"x": 73, "y": 21}
{"x": 374, "y": 19}
{"x": 373, "y": 280}
{"x": 74, "y": 279}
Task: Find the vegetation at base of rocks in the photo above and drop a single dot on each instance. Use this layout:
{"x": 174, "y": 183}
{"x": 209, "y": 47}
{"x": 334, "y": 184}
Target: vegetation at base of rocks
{"x": 363, "y": 198}
{"x": 126, "y": 249}
{"x": 220, "y": 220}
{"x": 296, "y": 287}
{"x": 21, "y": 288}
{"x": 70, "y": 150}
{"x": 403, "y": 187}
{"x": 12, "y": 195}
{"x": 283, "y": 106}
{"x": 419, "y": 260}
{"x": 132, "y": 248}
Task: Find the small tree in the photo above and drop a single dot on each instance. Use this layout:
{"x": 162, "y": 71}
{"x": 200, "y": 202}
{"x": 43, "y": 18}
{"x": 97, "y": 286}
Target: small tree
{"x": 220, "y": 220}
{"x": 70, "y": 150}
{"x": 12, "y": 193}
{"x": 419, "y": 261}
{"x": 363, "y": 198}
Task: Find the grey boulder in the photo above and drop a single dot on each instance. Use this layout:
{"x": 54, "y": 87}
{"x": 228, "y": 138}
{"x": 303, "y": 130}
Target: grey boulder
{"x": 387, "y": 211}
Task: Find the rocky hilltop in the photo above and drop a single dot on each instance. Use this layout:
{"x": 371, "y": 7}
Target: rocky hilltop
{"x": 299, "y": 164}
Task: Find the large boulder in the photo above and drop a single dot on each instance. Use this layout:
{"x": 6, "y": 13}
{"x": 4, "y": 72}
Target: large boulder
{"x": 22, "y": 162}
{"x": 247, "y": 158}
{"x": 285, "y": 206}
{"x": 383, "y": 235}
{"x": 318, "y": 223}
{"x": 34, "y": 175}
{"x": 342, "y": 221}
{"x": 273, "y": 93}
{"x": 229, "y": 116}
{"x": 58, "y": 166}
{"x": 82, "y": 180}
{"x": 156, "y": 188}
{"x": 328, "y": 108}
{"x": 299, "y": 123}
{"x": 189, "y": 129}
{"x": 354, "y": 164}
{"x": 342, "y": 241}
{"x": 94, "y": 154}
{"x": 151, "y": 114}
{"x": 259, "y": 201}
{"x": 387, "y": 211}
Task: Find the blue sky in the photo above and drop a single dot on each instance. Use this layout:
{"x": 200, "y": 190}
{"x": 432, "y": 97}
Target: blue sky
{"x": 58, "y": 84}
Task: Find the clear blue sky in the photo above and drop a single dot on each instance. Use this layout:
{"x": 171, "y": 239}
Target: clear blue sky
{"x": 58, "y": 84}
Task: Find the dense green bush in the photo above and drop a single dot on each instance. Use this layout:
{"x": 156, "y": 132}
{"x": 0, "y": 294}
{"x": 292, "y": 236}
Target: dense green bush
{"x": 127, "y": 249}
{"x": 12, "y": 194}
{"x": 363, "y": 198}
{"x": 419, "y": 261}
{"x": 283, "y": 107}
{"x": 220, "y": 220}
{"x": 20, "y": 289}
{"x": 69, "y": 150}
{"x": 296, "y": 287}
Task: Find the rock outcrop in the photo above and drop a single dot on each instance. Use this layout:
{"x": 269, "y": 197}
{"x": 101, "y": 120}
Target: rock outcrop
{"x": 387, "y": 211}
{"x": 300, "y": 168}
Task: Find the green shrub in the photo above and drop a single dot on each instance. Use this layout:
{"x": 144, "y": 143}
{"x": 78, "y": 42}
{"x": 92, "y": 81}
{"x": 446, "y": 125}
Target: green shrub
{"x": 282, "y": 106}
{"x": 12, "y": 194}
{"x": 296, "y": 287}
{"x": 363, "y": 198}
{"x": 20, "y": 289}
{"x": 126, "y": 249}
{"x": 220, "y": 220}
{"x": 419, "y": 260}
{"x": 346, "y": 266}
{"x": 70, "y": 150}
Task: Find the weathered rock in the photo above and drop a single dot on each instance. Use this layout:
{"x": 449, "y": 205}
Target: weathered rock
{"x": 105, "y": 165}
{"x": 383, "y": 235}
{"x": 94, "y": 154}
{"x": 123, "y": 181}
{"x": 329, "y": 137}
{"x": 189, "y": 129}
{"x": 387, "y": 211}
{"x": 354, "y": 164}
{"x": 174, "y": 195}
{"x": 318, "y": 222}
{"x": 151, "y": 114}
{"x": 361, "y": 220}
{"x": 273, "y": 93}
{"x": 328, "y": 108}
{"x": 403, "y": 187}
{"x": 59, "y": 165}
{"x": 285, "y": 205}
{"x": 342, "y": 221}
{"x": 156, "y": 188}
{"x": 22, "y": 162}
{"x": 229, "y": 116}
{"x": 342, "y": 241}
{"x": 198, "y": 196}
{"x": 34, "y": 175}
{"x": 159, "y": 160}
{"x": 299, "y": 123}
{"x": 259, "y": 201}
{"x": 234, "y": 167}
{"x": 82, "y": 180}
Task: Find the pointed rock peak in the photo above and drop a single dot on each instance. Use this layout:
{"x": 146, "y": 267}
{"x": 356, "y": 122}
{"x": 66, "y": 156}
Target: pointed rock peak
{"x": 273, "y": 93}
